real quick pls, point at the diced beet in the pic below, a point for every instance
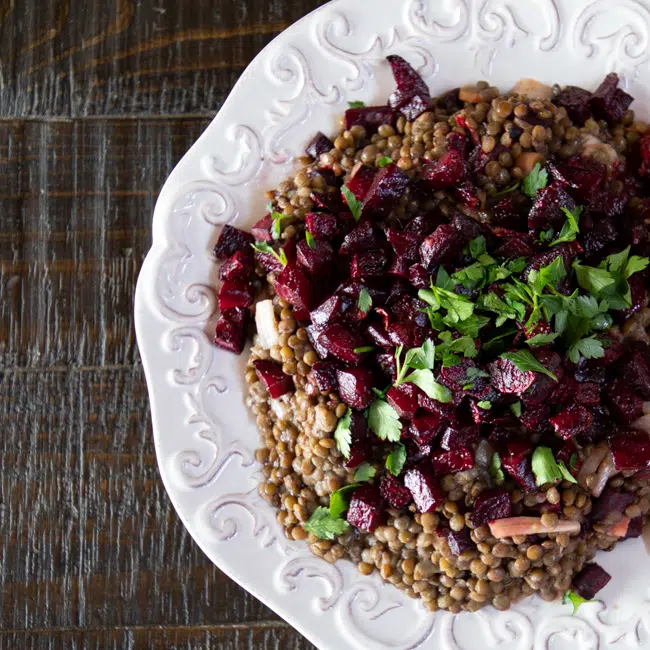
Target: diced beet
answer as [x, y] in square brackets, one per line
[377, 334]
[456, 376]
[419, 277]
[427, 494]
[609, 102]
[398, 288]
[622, 402]
[235, 293]
[332, 309]
[410, 309]
[394, 492]
[460, 541]
[547, 209]
[514, 245]
[404, 399]
[566, 251]
[450, 462]
[412, 97]
[317, 260]
[239, 266]
[293, 285]
[405, 244]
[426, 428]
[507, 378]
[535, 419]
[630, 449]
[341, 341]
[386, 363]
[446, 410]
[355, 387]
[408, 334]
[587, 394]
[636, 373]
[399, 267]
[516, 461]
[361, 181]
[388, 186]
[271, 375]
[370, 117]
[638, 294]
[319, 145]
[230, 240]
[449, 170]
[571, 422]
[331, 202]
[590, 581]
[466, 193]
[588, 370]
[313, 334]
[324, 373]
[580, 177]
[423, 225]
[490, 505]
[269, 262]
[262, 229]
[365, 511]
[635, 528]
[361, 238]
[442, 246]
[456, 437]
[508, 213]
[368, 264]
[231, 329]
[576, 102]
[361, 445]
[610, 501]
[322, 225]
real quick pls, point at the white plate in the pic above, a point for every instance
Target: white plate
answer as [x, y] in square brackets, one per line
[205, 439]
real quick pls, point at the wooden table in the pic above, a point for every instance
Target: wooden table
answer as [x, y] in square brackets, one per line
[98, 101]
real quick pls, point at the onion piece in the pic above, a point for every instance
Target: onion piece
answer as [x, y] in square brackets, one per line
[643, 422]
[646, 408]
[591, 463]
[619, 529]
[606, 470]
[513, 526]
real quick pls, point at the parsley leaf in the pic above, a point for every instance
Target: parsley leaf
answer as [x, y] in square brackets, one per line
[484, 404]
[575, 599]
[547, 276]
[365, 301]
[472, 374]
[311, 242]
[424, 379]
[365, 472]
[470, 326]
[343, 434]
[385, 160]
[396, 459]
[570, 229]
[524, 360]
[494, 468]
[324, 526]
[492, 302]
[478, 247]
[443, 281]
[516, 409]
[384, 421]
[471, 276]
[263, 247]
[591, 279]
[340, 499]
[546, 469]
[353, 203]
[589, 347]
[541, 339]
[573, 461]
[422, 358]
[536, 180]
[356, 104]
[546, 235]
[276, 226]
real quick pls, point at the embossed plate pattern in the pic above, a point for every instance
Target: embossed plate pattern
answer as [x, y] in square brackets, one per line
[205, 439]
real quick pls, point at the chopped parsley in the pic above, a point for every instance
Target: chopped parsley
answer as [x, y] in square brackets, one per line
[536, 180]
[524, 360]
[311, 242]
[363, 349]
[547, 470]
[365, 472]
[365, 301]
[343, 434]
[495, 470]
[515, 409]
[340, 500]
[384, 160]
[353, 203]
[325, 526]
[484, 404]
[383, 420]
[570, 228]
[265, 248]
[396, 459]
[575, 599]
[356, 104]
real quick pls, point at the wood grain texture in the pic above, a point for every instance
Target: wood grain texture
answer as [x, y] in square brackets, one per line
[99, 99]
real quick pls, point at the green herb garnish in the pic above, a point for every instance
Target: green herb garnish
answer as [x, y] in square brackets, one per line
[365, 472]
[263, 247]
[383, 420]
[340, 499]
[495, 470]
[396, 459]
[571, 597]
[539, 340]
[311, 242]
[547, 470]
[536, 180]
[356, 104]
[484, 404]
[353, 203]
[365, 301]
[384, 160]
[524, 360]
[516, 409]
[570, 229]
[324, 526]
[363, 349]
[343, 434]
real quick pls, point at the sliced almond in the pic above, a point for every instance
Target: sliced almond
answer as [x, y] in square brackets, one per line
[532, 89]
[513, 526]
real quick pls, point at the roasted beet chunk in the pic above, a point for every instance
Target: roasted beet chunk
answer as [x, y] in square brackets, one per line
[449, 170]
[355, 387]
[361, 181]
[365, 511]
[450, 462]
[547, 209]
[231, 329]
[460, 541]
[490, 505]
[324, 374]
[317, 260]
[405, 244]
[516, 461]
[262, 229]
[630, 449]
[455, 437]
[636, 373]
[231, 240]
[611, 501]
[509, 213]
[635, 528]
[507, 378]
[386, 190]
[623, 404]
[294, 286]
[442, 246]
[427, 494]
[341, 342]
[368, 264]
[322, 225]
[332, 309]
[426, 428]
[362, 238]
[235, 293]
[369, 117]
[609, 102]
[579, 176]
[394, 492]
[271, 375]
[404, 399]
[412, 97]
[239, 266]
[590, 581]
[571, 422]
[576, 101]
[361, 448]
[320, 144]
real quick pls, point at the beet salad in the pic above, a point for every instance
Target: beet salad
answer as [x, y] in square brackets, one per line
[450, 363]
